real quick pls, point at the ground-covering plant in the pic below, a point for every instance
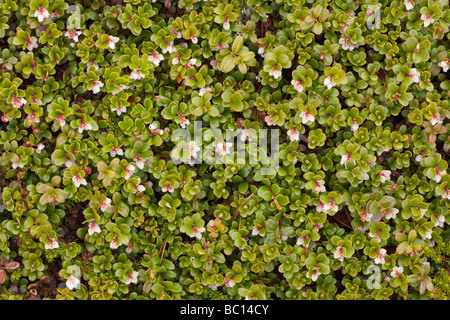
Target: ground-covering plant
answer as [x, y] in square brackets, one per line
[95, 97]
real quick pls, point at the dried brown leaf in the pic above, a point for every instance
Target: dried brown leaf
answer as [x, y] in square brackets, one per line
[2, 276]
[12, 265]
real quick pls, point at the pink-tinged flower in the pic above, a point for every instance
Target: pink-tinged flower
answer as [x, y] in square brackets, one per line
[105, 204]
[60, 120]
[275, 73]
[93, 228]
[115, 244]
[365, 216]
[245, 134]
[440, 220]
[91, 64]
[446, 194]
[444, 65]
[439, 174]
[132, 278]
[129, 171]
[306, 117]
[408, 4]
[119, 110]
[328, 82]
[215, 64]
[293, 135]
[269, 120]
[257, 231]
[193, 148]
[202, 91]
[39, 148]
[184, 121]
[31, 43]
[315, 275]
[414, 75]
[355, 126]
[226, 25]
[320, 186]
[375, 236]
[436, 119]
[116, 152]
[385, 176]
[69, 162]
[427, 234]
[379, 259]
[170, 48]
[346, 45]
[84, 126]
[197, 233]
[16, 165]
[300, 241]
[396, 272]
[96, 85]
[345, 158]
[194, 39]
[338, 255]
[52, 245]
[392, 214]
[78, 181]
[140, 163]
[18, 102]
[112, 42]
[297, 85]
[224, 148]
[136, 75]
[138, 188]
[168, 188]
[427, 19]
[41, 14]
[72, 283]
[73, 34]
[262, 51]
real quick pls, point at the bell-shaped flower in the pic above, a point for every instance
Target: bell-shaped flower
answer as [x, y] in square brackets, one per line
[93, 228]
[41, 14]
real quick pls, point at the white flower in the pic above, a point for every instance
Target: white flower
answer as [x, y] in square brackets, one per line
[156, 58]
[114, 245]
[269, 120]
[306, 117]
[224, 148]
[414, 75]
[193, 148]
[132, 278]
[338, 254]
[256, 231]
[215, 64]
[427, 20]
[297, 85]
[112, 42]
[116, 151]
[245, 134]
[226, 25]
[320, 186]
[419, 158]
[198, 232]
[69, 163]
[129, 171]
[275, 73]
[392, 214]
[175, 61]
[93, 228]
[96, 86]
[379, 259]
[119, 110]
[408, 4]
[105, 204]
[18, 102]
[16, 165]
[446, 194]
[73, 34]
[396, 271]
[84, 126]
[262, 51]
[300, 241]
[170, 48]
[41, 14]
[385, 175]
[213, 286]
[61, 120]
[168, 188]
[194, 39]
[136, 75]
[427, 234]
[354, 127]
[91, 64]
[345, 158]
[52, 245]
[328, 82]
[314, 276]
[365, 216]
[192, 62]
[202, 91]
[39, 148]
[140, 163]
[77, 181]
[440, 220]
[31, 43]
[439, 175]
[72, 283]
[436, 119]
[444, 65]
[293, 135]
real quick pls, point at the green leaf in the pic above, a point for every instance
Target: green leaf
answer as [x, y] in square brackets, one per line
[228, 63]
